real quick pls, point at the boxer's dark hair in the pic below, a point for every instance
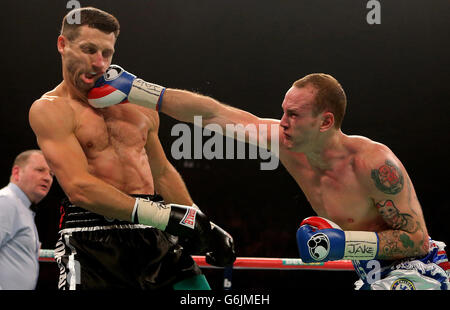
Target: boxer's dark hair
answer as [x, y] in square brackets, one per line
[330, 95]
[92, 17]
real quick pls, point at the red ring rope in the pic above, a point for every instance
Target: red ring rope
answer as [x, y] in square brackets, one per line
[252, 263]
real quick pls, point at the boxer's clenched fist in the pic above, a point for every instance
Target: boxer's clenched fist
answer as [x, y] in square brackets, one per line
[119, 86]
[190, 224]
[321, 240]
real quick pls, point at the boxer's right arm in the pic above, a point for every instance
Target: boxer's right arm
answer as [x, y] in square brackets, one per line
[404, 233]
[54, 126]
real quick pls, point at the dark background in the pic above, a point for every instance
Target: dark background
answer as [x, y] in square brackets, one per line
[247, 54]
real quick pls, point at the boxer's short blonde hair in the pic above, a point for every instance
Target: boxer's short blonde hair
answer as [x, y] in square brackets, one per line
[330, 95]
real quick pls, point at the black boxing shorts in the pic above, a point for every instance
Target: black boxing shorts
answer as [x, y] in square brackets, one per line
[95, 252]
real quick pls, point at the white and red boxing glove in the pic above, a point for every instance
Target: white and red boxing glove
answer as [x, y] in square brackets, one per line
[119, 86]
[191, 225]
[321, 240]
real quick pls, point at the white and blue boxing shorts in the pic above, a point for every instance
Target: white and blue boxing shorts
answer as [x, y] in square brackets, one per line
[427, 273]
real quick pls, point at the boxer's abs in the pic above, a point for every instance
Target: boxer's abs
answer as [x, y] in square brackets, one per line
[130, 174]
[113, 141]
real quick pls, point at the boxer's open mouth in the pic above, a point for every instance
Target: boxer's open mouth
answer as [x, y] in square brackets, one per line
[89, 77]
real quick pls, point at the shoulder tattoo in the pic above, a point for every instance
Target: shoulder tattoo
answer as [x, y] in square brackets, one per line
[388, 178]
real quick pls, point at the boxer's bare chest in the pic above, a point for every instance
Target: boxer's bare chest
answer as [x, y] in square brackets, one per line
[119, 129]
[337, 194]
[114, 141]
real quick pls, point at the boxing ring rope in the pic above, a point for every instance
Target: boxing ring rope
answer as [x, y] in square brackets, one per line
[252, 263]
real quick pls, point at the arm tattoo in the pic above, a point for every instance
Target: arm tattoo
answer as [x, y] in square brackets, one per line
[388, 178]
[397, 243]
[395, 219]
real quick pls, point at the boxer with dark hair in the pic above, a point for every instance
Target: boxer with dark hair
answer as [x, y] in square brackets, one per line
[125, 201]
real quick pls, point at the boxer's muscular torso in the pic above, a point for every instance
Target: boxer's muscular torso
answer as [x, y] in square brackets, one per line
[113, 141]
[340, 193]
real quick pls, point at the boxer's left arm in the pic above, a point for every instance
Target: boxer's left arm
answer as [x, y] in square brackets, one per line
[394, 197]
[168, 182]
[390, 188]
[119, 86]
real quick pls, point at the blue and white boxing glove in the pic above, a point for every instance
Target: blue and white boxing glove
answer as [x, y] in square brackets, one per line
[119, 86]
[321, 240]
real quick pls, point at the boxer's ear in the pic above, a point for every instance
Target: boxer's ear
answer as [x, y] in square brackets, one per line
[61, 44]
[327, 120]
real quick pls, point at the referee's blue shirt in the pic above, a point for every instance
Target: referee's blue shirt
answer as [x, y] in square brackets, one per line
[19, 241]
